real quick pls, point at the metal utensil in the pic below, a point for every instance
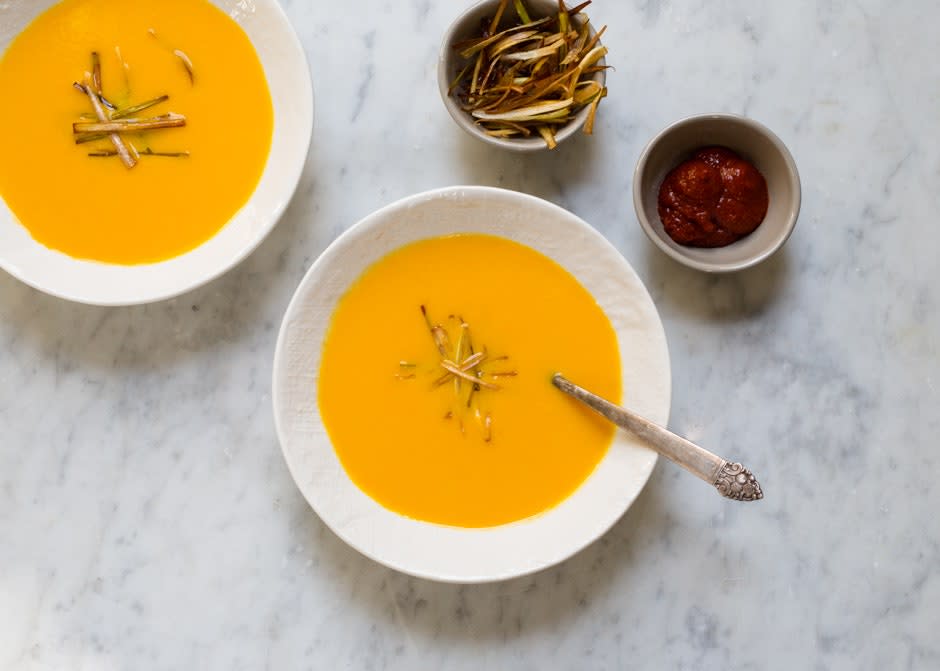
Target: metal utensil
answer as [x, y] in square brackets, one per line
[731, 479]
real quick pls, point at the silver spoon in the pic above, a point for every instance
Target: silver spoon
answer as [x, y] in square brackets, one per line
[731, 479]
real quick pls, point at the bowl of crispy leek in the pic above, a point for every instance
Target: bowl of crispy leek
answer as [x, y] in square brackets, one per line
[523, 74]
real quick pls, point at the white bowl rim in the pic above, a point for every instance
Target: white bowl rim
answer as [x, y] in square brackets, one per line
[377, 220]
[678, 255]
[290, 169]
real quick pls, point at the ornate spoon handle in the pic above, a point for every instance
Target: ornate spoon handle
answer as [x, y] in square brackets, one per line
[731, 480]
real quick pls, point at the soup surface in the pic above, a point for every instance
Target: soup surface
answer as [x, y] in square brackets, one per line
[94, 207]
[498, 446]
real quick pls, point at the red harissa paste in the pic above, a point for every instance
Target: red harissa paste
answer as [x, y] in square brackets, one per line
[713, 199]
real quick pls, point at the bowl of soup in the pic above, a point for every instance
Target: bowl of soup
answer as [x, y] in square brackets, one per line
[157, 143]
[412, 384]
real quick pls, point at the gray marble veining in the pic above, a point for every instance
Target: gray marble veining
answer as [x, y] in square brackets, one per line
[147, 520]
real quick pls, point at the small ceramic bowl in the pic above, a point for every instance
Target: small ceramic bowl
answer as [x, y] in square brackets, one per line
[753, 142]
[467, 26]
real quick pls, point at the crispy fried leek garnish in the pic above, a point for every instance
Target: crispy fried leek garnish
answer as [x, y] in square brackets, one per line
[146, 151]
[130, 125]
[463, 365]
[534, 75]
[88, 88]
[96, 72]
[187, 64]
[108, 122]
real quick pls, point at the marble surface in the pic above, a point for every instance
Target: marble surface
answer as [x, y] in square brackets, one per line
[148, 521]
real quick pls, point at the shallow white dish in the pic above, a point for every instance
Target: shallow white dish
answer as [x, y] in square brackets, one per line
[447, 553]
[288, 75]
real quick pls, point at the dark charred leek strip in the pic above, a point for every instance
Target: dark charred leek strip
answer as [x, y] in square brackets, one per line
[147, 152]
[170, 154]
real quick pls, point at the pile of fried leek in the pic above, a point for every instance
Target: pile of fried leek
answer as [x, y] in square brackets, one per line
[524, 76]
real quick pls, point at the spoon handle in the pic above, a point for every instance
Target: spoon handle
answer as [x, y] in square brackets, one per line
[731, 480]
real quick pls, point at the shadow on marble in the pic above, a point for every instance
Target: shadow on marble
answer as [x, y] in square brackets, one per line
[161, 334]
[550, 175]
[460, 614]
[724, 297]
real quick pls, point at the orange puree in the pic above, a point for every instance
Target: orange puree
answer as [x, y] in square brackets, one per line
[399, 437]
[95, 208]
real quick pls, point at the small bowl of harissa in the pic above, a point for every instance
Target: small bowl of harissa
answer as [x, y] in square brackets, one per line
[523, 75]
[717, 192]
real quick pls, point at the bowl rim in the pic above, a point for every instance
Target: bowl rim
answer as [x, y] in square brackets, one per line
[629, 450]
[147, 288]
[704, 266]
[461, 118]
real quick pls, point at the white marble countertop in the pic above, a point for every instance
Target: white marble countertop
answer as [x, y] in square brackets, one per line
[148, 521]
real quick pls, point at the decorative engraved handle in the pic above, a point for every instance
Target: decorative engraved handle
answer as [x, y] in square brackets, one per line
[731, 480]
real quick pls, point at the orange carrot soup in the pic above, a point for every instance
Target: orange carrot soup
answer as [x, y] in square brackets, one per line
[435, 381]
[134, 130]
